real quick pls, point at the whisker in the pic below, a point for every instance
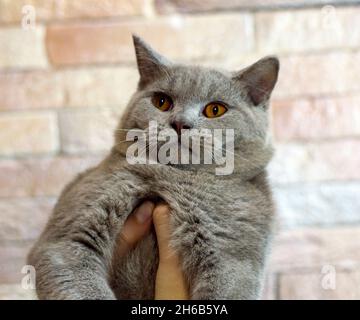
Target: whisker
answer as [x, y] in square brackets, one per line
[122, 141]
[236, 155]
[124, 129]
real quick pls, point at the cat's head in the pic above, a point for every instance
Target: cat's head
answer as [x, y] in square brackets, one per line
[179, 96]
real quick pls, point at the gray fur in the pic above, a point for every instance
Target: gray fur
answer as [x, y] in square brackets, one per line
[221, 224]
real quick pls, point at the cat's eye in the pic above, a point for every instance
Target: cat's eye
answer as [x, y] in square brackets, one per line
[162, 101]
[214, 110]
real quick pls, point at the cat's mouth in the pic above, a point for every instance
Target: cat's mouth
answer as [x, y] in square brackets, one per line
[164, 145]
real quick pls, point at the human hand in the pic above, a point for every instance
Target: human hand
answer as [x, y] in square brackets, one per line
[170, 282]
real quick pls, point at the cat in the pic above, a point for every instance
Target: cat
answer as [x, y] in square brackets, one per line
[221, 224]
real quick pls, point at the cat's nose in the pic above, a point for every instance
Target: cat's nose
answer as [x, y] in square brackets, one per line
[180, 125]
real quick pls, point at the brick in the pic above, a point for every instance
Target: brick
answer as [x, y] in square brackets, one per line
[96, 9]
[305, 76]
[24, 218]
[87, 131]
[308, 249]
[41, 176]
[80, 87]
[11, 10]
[311, 162]
[30, 89]
[309, 286]
[318, 75]
[16, 292]
[308, 30]
[20, 48]
[233, 62]
[100, 87]
[24, 133]
[320, 204]
[177, 37]
[12, 260]
[171, 6]
[322, 118]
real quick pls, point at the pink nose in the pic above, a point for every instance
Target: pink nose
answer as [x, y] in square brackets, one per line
[179, 125]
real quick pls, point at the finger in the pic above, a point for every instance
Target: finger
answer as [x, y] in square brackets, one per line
[135, 227]
[161, 220]
[170, 282]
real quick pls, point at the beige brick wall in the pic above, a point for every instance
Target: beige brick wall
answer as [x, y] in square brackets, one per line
[64, 84]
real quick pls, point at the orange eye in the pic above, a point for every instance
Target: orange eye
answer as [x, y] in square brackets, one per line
[162, 101]
[214, 110]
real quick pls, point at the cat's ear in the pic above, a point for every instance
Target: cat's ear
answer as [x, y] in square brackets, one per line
[259, 79]
[151, 64]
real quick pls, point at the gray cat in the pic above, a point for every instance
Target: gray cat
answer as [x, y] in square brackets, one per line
[221, 224]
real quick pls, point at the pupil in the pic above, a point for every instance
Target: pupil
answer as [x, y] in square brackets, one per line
[215, 110]
[162, 101]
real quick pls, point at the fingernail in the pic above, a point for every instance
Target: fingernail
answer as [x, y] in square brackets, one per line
[144, 212]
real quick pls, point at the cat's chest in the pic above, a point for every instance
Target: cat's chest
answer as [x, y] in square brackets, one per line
[197, 189]
[188, 192]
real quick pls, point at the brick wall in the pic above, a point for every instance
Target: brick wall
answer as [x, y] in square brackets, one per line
[64, 83]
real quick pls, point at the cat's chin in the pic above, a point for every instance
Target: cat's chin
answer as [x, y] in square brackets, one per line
[245, 164]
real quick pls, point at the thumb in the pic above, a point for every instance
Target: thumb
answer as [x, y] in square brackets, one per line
[137, 225]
